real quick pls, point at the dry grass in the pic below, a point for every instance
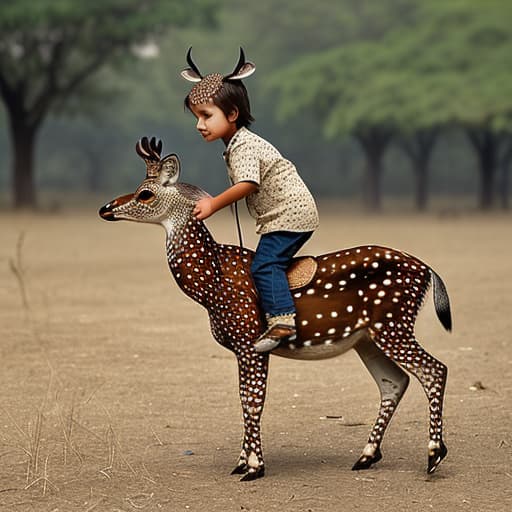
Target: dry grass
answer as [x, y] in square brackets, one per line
[110, 379]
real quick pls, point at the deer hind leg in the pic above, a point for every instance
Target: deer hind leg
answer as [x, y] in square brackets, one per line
[252, 372]
[392, 382]
[432, 375]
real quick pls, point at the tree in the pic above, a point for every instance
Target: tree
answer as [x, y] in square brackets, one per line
[50, 52]
[471, 42]
[449, 66]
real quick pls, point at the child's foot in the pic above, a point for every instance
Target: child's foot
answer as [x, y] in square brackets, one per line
[280, 328]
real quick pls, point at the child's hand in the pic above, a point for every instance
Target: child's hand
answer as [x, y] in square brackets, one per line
[204, 208]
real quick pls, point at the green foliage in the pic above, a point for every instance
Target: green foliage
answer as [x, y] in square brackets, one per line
[330, 66]
[450, 65]
[50, 48]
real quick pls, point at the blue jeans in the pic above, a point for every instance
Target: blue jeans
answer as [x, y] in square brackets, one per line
[273, 256]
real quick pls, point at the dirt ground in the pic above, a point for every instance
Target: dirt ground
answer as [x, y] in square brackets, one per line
[116, 398]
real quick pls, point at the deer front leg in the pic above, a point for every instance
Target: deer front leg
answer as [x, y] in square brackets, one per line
[252, 372]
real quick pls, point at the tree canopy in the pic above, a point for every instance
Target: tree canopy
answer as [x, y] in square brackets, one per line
[448, 67]
[50, 49]
[353, 74]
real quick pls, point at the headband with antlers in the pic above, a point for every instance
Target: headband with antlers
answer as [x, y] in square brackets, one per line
[208, 86]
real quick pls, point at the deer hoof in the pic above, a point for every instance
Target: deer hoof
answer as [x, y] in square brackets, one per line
[436, 456]
[253, 474]
[366, 461]
[240, 469]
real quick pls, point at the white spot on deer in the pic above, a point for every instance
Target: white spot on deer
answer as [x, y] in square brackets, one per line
[253, 460]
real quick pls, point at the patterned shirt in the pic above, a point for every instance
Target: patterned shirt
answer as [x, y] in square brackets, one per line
[282, 201]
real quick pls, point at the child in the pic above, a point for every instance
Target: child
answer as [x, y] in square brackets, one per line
[276, 196]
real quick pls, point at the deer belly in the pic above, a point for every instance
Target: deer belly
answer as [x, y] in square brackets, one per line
[319, 349]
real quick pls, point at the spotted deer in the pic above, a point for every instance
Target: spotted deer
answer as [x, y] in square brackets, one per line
[363, 298]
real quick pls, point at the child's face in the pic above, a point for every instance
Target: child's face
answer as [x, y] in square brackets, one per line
[212, 123]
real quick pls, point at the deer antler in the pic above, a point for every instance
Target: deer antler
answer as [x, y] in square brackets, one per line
[243, 69]
[150, 151]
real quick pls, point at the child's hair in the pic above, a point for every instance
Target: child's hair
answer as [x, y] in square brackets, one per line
[232, 96]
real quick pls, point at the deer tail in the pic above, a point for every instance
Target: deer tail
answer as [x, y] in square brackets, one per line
[441, 301]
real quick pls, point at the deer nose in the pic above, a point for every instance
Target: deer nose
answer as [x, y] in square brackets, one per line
[106, 212]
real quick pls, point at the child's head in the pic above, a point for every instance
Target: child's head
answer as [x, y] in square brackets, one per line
[231, 96]
[226, 92]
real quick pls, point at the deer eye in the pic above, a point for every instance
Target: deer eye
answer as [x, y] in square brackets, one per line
[146, 196]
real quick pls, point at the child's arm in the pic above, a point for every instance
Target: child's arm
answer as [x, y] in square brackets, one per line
[209, 205]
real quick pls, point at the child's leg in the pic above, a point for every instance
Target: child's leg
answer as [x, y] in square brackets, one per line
[272, 258]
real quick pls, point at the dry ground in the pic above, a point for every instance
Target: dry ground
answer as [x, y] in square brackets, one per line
[115, 397]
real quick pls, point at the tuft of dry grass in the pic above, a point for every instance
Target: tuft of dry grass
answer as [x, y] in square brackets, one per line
[54, 427]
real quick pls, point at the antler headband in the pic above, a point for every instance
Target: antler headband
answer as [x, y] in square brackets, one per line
[208, 86]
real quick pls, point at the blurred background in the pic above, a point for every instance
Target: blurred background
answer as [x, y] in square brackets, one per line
[383, 104]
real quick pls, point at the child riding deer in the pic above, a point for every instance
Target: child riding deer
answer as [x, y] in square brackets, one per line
[276, 196]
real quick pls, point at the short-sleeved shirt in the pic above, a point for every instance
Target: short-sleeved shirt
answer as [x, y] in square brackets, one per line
[282, 201]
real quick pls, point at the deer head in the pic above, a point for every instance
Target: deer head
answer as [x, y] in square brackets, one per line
[159, 199]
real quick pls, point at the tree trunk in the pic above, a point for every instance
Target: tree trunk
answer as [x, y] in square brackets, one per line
[506, 160]
[373, 181]
[374, 142]
[23, 139]
[421, 193]
[486, 143]
[94, 170]
[419, 149]
[487, 166]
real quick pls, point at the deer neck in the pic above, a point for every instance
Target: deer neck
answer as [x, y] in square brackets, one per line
[192, 254]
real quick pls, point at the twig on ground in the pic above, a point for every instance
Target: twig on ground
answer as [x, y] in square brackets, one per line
[94, 505]
[67, 431]
[113, 441]
[18, 269]
[159, 441]
[46, 481]
[148, 477]
[143, 495]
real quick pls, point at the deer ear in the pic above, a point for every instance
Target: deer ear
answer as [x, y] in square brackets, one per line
[190, 75]
[169, 170]
[246, 70]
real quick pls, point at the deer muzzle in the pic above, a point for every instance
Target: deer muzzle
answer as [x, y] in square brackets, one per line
[107, 212]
